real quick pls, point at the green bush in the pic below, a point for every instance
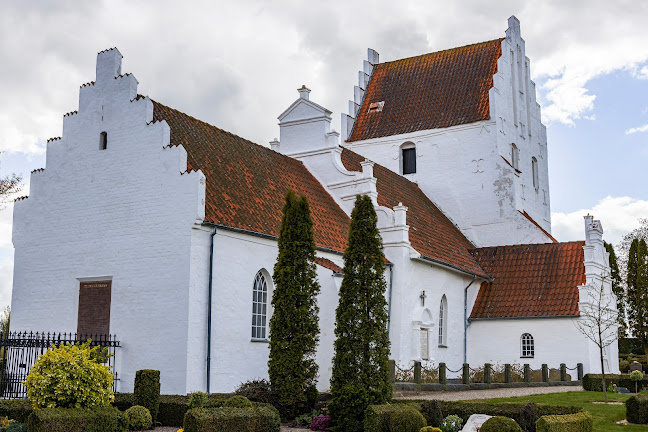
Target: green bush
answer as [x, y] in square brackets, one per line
[123, 401]
[529, 417]
[172, 410]
[76, 420]
[16, 409]
[147, 391]
[637, 409]
[432, 412]
[592, 382]
[70, 376]
[259, 419]
[452, 423]
[350, 404]
[138, 418]
[257, 391]
[14, 426]
[197, 399]
[581, 422]
[393, 418]
[630, 346]
[238, 402]
[430, 429]
[500, 424]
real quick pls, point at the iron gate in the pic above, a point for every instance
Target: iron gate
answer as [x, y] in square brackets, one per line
[20, 350]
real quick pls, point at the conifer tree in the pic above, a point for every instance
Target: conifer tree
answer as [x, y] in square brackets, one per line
[294, 327]
[637, 294]
[361, 362]
[617, 289]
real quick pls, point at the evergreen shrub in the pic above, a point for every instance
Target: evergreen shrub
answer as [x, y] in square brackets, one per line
[258, 419]
[16, 409]
[630, 346]
[238, 402]
[637, 409]
[500, 424]
[197, 399]
[14, 426]
[430, 429]
[580, 422]
[70, 376]
[432, 412]
[171, 411]
[258, 390]
[138, 418]
[528, 417]
[106, 419]
[393, 418]
[592, 382]
[146, 392]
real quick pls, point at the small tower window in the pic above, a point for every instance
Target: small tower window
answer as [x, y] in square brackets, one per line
[534, 170]
[528, 347]
[408, 158]
[515, 156]
[103, 141]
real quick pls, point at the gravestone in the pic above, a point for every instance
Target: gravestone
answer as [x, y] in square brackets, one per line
[475, 421]
[635, 365]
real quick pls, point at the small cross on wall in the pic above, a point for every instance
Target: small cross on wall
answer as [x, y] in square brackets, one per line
[423, 298]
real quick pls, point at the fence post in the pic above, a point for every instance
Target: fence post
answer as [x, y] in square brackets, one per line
[392, 371]
[487, 373]
[527, 373]
[545, 373]
[580, 371]
[507, 373]
[417, 372]
[466, 373]
[442, 374]
[563, 372]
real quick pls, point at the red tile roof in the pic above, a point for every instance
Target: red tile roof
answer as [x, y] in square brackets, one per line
[534, 280]
[327, 263]
[437, 90]
[431, 233]
[247, 183]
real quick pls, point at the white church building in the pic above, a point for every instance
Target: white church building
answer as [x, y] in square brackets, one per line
[161, 229]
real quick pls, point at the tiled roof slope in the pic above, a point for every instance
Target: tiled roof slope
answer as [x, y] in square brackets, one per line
[328, 264]
[247, 183]
[532, 280]
[431, 233]
[437, 90]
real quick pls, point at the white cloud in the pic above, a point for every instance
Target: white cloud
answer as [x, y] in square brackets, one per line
[643, 128]
[618, 215]
[642, 73]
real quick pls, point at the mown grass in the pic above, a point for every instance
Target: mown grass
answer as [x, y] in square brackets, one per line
[604, 415]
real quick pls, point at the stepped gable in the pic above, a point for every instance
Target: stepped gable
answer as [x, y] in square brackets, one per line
[431, 233]
[437, 90]
[247, 183]
[533, 280]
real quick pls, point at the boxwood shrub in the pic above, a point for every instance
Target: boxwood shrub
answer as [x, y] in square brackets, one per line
[637, 409]
[258, 419]
[16, 409]
[147, 391]
[393, 418]
[500, 424]
[76, 420]
[580, 422]
[592, 382]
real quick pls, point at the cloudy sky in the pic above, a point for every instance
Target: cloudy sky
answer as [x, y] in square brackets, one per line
[237, 64]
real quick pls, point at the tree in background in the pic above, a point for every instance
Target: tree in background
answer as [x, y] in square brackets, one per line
[618, 290]
[361, 362]
[637, 290]
[5, 319]
[294, 327]
[623, 248]
[9, 185]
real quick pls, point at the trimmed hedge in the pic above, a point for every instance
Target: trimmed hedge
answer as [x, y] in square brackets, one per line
[592, 382]
[76, 420]
[393, 418]
[260, 419]
[500, 424]
[16, 409]
[581, 422]
[147, 391]
[637, 409]
[172, 410]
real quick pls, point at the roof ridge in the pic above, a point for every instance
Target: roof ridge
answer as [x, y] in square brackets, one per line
[530, 244]
[442, 51]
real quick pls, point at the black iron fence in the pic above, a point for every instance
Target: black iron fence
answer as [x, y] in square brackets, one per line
[20, 350]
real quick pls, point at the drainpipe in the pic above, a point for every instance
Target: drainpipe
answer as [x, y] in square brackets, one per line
[209, 307]
[391, 277]
[466, 324]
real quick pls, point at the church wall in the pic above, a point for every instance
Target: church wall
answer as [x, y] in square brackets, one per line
[123, 214]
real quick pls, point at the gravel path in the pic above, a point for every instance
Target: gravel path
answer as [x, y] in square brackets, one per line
[485, 394]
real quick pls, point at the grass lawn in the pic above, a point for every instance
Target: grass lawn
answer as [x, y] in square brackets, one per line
[604, 415]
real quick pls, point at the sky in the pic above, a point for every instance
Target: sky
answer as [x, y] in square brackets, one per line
[237, 65]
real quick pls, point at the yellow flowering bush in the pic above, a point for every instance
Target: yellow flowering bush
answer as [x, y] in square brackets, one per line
[70, 376]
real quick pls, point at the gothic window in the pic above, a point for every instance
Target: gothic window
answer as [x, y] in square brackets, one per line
[408, 158]
[515, 156]
[528, 348]
[103, 141]
[443, 322]
[534, 169]
[259, 307]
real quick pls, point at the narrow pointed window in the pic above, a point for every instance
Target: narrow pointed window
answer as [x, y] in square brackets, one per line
[534, 169]
[443, 322]
[259, 307]
[103, 141]
[515, 156]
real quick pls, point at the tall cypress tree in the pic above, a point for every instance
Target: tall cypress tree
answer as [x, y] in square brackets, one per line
[361, 363]
[617, 289]
[294, 327]
[637, 285]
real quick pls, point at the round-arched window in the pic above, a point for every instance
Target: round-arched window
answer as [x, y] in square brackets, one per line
[528, 348]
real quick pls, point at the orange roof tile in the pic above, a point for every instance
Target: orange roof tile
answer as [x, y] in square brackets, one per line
[437, 90]
[534, 280]
[431, 233]
[247, 183]
[327, 263]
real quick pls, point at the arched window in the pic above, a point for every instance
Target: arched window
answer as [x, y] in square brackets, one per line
[103, 141]
[443, 322]
[259, 307]
[515, 156]
[534, 170]
[408, 158]
[528, 347]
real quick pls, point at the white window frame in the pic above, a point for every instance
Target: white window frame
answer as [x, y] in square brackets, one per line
[527, 346]
[443, 322]
[260, 309]
[407, 146]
